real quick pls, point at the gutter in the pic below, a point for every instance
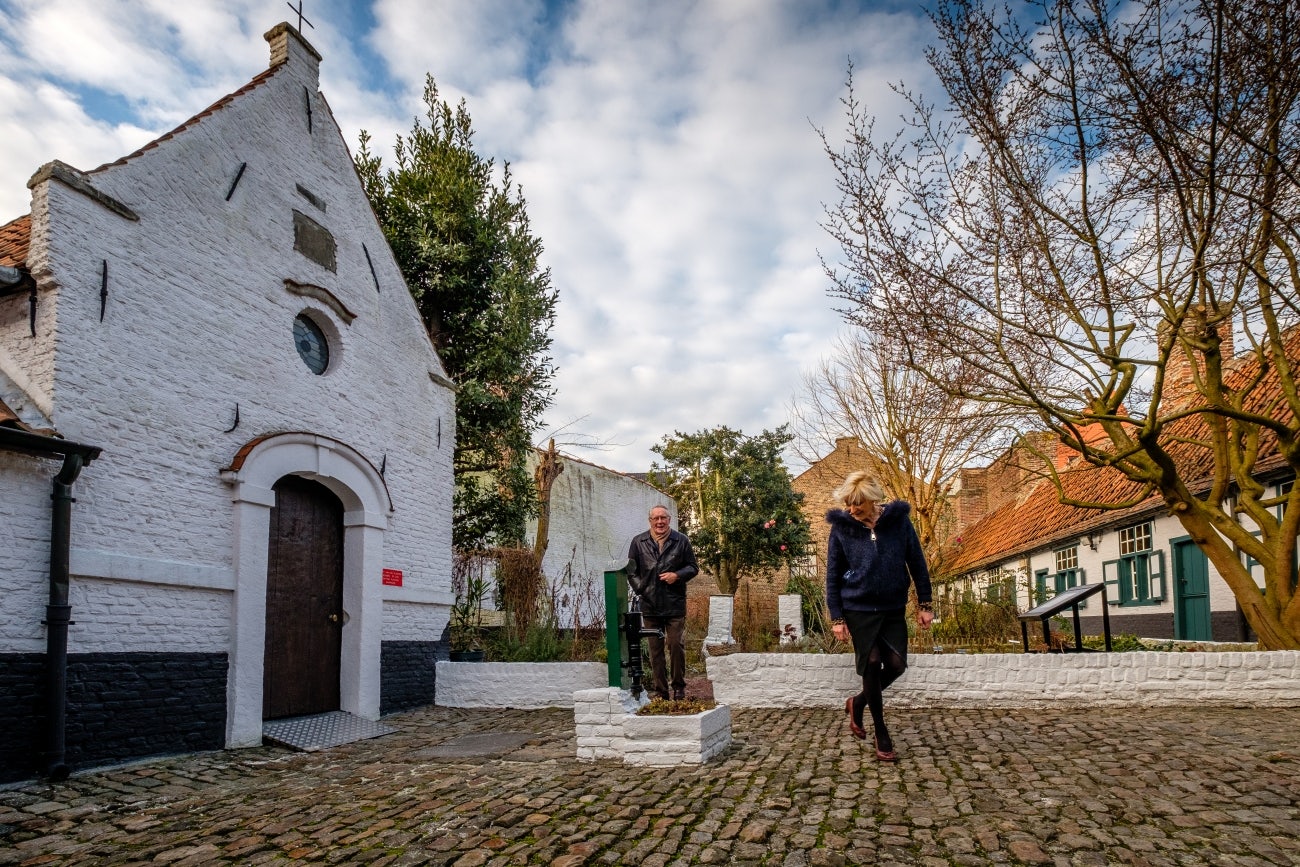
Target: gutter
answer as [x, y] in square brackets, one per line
[58, 613]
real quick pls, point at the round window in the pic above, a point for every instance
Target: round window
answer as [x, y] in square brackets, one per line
[313, 348]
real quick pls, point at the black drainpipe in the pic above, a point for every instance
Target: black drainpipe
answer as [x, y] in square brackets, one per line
[58, 616]
[58, 613]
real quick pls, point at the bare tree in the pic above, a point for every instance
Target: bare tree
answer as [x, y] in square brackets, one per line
[1101, 207]
[919, 434]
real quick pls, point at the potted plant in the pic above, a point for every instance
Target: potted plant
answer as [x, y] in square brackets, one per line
[466, 627]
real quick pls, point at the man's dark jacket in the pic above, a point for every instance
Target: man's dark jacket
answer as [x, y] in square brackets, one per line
[658, 598]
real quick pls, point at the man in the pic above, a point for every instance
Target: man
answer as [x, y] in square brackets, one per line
[662, 563]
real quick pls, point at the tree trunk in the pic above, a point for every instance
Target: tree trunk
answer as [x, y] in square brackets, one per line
[547, 469]
[726, 576]
[1266, 622]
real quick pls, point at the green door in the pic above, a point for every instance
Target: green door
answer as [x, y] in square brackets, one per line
[1191, 591]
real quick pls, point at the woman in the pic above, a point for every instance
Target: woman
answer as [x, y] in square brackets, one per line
[873, 555]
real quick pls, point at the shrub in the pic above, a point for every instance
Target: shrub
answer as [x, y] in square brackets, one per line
[975, 624]
[1122, 643]
[532, 630]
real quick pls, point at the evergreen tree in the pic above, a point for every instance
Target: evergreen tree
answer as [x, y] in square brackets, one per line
[463, 240]
[734, 499]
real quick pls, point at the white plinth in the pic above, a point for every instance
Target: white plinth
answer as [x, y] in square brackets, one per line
[721, 609]
[789, 613]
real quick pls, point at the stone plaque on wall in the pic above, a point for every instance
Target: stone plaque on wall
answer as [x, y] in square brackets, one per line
[314, 241]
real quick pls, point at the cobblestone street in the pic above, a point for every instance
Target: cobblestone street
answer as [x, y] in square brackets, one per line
[1184, 786]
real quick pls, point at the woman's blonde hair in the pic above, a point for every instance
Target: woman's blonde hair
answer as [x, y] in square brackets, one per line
[859, 487]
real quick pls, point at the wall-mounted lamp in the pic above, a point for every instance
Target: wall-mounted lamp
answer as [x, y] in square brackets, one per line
[1093, 539]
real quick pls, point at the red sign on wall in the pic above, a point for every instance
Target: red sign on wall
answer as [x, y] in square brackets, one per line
[393, 577]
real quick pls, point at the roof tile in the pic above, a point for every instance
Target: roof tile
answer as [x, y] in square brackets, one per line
[15, 236]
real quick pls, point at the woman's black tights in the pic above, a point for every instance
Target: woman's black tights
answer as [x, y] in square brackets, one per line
[884, 666]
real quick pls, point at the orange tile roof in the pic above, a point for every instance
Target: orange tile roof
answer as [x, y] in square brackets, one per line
[1040, 520]
[15, 236]
[10, 419]
[212, 109]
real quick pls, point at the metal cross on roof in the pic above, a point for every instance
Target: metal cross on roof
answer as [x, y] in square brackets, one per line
[301, 19]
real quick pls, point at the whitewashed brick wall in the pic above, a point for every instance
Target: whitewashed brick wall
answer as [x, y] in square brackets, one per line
[663, 741]
[595, 512]
[606, 727]
[25, 484]
[1261, 679]
[516, 684]
[198, 320]
[598, 716]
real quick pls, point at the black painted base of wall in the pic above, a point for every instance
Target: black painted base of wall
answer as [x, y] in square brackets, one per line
[22, 715]
[408, 675]
[120, 707]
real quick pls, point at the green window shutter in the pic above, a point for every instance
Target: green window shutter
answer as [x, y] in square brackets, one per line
[1080, 578]
[1040, 587]
[1137, 569]
[1156, 575]
[1110, 575]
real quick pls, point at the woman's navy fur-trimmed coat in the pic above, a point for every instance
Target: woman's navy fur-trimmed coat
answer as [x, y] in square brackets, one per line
[863, 574]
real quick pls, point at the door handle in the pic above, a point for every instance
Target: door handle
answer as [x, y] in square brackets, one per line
[334, 618]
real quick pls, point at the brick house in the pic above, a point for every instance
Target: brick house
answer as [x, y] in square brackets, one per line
[262, 518]
[816, 484]
[1160, 584]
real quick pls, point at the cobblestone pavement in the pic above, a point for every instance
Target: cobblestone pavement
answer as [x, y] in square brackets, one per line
[1182, 786]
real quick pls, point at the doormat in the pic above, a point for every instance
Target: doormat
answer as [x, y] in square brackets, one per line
[322, 731]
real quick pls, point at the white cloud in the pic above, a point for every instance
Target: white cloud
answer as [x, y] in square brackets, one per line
[667, 152]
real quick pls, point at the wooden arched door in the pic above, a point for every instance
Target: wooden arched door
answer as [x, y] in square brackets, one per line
[304, 601]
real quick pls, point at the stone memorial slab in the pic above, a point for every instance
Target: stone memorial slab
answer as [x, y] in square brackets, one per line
[789, 613]
[721, 609]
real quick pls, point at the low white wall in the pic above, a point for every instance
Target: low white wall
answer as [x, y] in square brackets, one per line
[525, 685]
[1259, 679]
[598, 716]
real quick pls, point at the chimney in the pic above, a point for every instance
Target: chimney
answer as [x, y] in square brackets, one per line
[971, 504]
[1182, 362]
[288, 46]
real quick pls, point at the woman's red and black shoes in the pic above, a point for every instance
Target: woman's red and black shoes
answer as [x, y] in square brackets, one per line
[883, 755]
[854, 729]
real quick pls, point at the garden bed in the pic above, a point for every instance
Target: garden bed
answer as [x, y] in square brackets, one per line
[608, 727]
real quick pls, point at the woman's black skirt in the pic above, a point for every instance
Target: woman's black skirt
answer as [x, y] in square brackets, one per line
[866, 628]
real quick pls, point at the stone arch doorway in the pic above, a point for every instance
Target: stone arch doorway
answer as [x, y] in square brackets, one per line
[253, 474]
[304, 601]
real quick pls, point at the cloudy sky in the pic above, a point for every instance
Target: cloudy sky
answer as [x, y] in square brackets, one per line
[667, 149]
